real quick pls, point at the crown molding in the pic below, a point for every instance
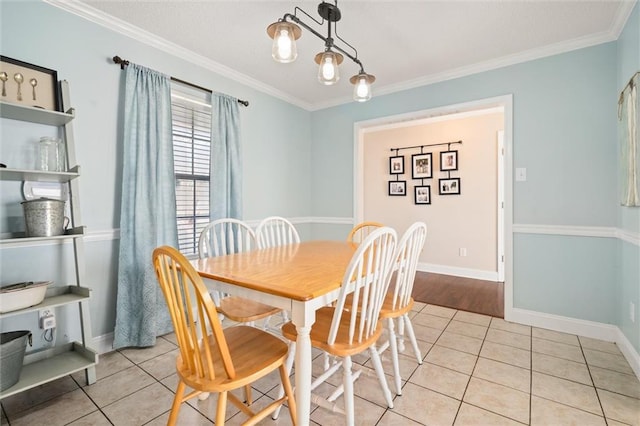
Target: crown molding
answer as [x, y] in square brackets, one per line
[94, 15]
[98, 17]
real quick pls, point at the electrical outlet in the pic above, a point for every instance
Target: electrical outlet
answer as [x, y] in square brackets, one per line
[632, 312]
[47, 319]
[463, 252]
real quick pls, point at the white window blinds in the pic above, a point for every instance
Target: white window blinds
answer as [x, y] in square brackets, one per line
[191, 123]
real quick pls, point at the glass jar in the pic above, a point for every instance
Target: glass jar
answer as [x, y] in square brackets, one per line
[51, 154]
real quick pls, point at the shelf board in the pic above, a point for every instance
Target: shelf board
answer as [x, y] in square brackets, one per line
[44, 366]
[38, 175]
[19, 237]
[35, 115]
[55, 296]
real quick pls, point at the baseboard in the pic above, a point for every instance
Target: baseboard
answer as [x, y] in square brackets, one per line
[591, 329]
[627, 349]
[458, 272]
[103, 344]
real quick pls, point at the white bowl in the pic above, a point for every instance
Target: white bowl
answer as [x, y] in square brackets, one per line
[22, 295]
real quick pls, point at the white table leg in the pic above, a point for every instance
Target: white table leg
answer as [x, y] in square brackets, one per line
[303, 319]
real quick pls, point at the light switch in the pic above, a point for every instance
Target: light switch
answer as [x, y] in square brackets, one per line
[521, 174]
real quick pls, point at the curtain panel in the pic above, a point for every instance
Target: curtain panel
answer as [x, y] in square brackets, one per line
[628, 110]
[148, 211]
[226, 166]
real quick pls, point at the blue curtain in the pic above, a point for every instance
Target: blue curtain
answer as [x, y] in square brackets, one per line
[148, 212]
[225, 190]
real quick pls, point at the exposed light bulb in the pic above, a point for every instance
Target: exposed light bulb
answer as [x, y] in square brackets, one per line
[284, 44]
[328, 69]
[283, 49]
[328, 72]
[362, 86]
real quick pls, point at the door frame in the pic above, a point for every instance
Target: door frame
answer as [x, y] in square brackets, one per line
[504, 175]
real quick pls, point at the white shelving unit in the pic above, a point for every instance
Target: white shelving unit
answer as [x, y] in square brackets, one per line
[52, 363]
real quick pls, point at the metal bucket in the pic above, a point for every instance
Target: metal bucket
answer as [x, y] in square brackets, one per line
[44, 217]
[12, 347]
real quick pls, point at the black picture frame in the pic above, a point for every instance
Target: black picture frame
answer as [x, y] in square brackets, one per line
[396, 165]
[397, 188]
[449, 186]
[448, 160]
[39, 87]
[422, 194]
[421, 166]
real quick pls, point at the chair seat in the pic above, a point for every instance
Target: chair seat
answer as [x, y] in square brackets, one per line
[254, 353]
[320, 333]
[239, 309]
[387, 310]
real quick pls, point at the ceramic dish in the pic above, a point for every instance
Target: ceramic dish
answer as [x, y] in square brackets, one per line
[22, 295]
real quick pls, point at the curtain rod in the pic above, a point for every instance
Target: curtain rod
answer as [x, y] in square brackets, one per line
[123, 63]
[422, 146]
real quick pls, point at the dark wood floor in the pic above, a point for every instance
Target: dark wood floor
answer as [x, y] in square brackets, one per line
[466, 294]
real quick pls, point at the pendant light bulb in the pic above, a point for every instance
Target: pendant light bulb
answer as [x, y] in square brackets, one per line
[362, 86]
[328, 71]
[284, 36]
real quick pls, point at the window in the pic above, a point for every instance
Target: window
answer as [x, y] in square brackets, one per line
[191, 128]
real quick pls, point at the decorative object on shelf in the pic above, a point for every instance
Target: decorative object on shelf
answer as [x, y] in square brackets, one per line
[44, 217]
[422, 194]
[51, 154]
[448, 160]
[398, 187]
[43, 81]
[286, 31]
[396, 165]
[22, 295]
[421, 166]
[449, 186]
[13, 345]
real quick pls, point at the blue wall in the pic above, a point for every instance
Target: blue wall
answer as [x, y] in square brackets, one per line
[564, 134]
[276, 139]
[628, 268]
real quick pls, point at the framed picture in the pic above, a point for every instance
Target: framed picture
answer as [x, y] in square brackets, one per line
[396, 165]
[397, 187]
[448, 160]
[28, 84]
[422, 194]
[421, 166]
[449, 186]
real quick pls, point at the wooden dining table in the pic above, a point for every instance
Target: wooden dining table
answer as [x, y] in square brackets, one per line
[300, 278]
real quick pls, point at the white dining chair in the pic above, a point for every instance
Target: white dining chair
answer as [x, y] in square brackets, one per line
[228, 236]
[398, 301]
[344, 331]
[276, 231]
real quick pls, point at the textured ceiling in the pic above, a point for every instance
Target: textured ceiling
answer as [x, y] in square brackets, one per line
[403, 43]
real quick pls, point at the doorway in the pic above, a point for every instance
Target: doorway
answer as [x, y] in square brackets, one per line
[501, 242]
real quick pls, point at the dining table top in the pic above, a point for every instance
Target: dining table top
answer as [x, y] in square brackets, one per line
[299, 271]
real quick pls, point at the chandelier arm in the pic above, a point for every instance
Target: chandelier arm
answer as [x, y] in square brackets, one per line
[321, 37]
[335, 30]
[310, 17]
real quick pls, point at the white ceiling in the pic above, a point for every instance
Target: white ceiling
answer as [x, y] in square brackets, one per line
[403, 43]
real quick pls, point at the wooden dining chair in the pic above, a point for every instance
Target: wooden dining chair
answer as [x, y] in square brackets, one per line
[362, 230]
[344, 331]
[276, 231]
[228, 236]
[213, 359]
[398, 301]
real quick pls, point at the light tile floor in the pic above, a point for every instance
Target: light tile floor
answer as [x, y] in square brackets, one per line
[477, 370]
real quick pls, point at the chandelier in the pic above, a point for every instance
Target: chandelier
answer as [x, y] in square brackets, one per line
[287, 30]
